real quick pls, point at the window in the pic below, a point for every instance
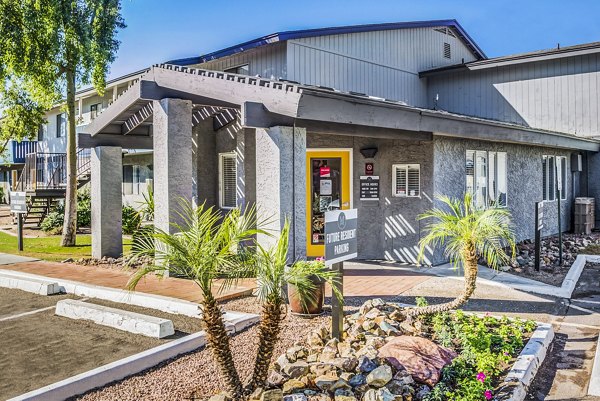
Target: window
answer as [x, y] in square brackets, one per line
[406, 180]
[554, 177]
[486, 177]
[95, 110]
[42, 132]
[134, 178]
[61, 125]
[227, 181]
[243, 69]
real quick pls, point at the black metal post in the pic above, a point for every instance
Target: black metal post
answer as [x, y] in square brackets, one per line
[20, 230]
[337, 306]
[537, 237]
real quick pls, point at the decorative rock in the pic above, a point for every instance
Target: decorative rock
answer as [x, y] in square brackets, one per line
[380, 376]
[422, 358]
[272, 395]
[295, 397]
[293, 385]
[357, 380]
[220, 397]
[275, 379]
[325, 382]
[296, 369]
[365, 364]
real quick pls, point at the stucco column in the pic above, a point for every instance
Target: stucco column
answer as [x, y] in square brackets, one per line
[281, 183]
[172, 133]
[107, 201]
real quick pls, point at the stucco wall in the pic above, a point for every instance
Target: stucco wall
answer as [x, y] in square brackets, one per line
[524, 170]
[388, 228]
[594, 182]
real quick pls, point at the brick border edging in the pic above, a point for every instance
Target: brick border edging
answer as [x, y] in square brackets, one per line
[130, 365]
[524, 370]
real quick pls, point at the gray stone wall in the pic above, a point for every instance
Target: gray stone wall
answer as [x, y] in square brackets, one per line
[388, 228]
[524, 169]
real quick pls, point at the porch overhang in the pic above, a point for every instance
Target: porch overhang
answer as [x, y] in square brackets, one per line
[262, 103]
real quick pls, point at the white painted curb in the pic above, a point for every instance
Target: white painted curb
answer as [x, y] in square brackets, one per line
[522, 373]
[123, 368]
[131, 322]
[165, 304]
[40, 285]
[594, 387]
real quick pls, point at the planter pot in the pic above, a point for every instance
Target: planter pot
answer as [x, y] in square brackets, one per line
[313, 306]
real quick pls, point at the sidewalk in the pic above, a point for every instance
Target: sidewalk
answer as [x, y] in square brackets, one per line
[168, 287]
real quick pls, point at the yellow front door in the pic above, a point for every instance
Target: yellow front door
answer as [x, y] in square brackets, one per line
[328, 178]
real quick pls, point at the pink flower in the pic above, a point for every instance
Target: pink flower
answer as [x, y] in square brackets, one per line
[320, 259]
[488, 394]
[481, 376]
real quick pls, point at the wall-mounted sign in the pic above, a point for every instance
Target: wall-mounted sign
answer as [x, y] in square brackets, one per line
[369, 168]
[369, 187]
[324, 171]
[340, 235]
[18, 202]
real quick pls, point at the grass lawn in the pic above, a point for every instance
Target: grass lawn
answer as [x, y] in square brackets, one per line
[48, 248]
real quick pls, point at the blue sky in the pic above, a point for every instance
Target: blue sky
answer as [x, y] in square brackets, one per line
[161, 30]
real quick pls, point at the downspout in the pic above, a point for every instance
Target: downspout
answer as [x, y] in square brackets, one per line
[294, 190]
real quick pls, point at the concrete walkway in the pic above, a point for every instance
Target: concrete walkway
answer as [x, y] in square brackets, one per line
[114, 278]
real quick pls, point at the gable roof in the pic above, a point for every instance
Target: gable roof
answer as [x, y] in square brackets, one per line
[307, 33]
[521, 58]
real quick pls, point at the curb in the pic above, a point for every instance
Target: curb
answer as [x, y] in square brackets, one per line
[129, 366]
[159, 302]
[528, 362]
[594, 386]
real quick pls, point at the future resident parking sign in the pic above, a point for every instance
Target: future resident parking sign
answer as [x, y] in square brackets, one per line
[340, 235]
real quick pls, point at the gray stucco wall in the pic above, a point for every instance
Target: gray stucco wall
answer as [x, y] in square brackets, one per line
[388, 228]
[524, 169]
[594, 182]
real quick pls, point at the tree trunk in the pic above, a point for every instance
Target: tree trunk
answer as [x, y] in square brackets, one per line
[218, 341]
[70, 220]
[268, 333]
[470, 271]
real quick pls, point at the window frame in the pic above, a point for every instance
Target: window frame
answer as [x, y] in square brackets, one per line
[550, 187]
[61, 121]
[407, 167]
[491, 183]
[95, 112]
[222, 157]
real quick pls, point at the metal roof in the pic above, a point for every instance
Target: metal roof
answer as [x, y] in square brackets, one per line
[307, 33]
[529, 57]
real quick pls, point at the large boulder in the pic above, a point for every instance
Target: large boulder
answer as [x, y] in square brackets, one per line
[421, 358]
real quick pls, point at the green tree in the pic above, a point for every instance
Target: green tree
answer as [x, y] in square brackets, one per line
[466, 233]
[47, 49]
[209, 246]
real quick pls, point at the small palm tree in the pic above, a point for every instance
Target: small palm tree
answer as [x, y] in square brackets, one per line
[272, 273]
[206, 247]
[467, 233]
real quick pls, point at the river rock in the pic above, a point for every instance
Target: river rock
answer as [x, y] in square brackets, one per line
[380, 376]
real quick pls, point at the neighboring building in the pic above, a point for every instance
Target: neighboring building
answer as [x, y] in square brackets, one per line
[292, 121]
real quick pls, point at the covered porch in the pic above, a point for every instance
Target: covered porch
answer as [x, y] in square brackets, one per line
[231, 140]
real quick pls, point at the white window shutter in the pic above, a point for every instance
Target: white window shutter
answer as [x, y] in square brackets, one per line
[228, 181]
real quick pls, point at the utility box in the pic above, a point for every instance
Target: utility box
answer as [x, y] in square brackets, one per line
[585, 215]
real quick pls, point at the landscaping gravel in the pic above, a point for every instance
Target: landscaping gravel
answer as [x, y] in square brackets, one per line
[195, 376]
[551, 271]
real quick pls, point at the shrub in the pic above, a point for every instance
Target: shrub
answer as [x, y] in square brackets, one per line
[143, 239]
[485, 345]
[2, 195]
[84, 208]
[131, 220]
[53, 222]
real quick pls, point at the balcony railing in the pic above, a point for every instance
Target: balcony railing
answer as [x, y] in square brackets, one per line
[49, 170]
[21, 149]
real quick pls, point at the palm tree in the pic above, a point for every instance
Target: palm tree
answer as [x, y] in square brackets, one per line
[467, 233]
[206, 247]
[272, 273]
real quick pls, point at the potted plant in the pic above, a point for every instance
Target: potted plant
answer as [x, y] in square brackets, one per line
[309, 301]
